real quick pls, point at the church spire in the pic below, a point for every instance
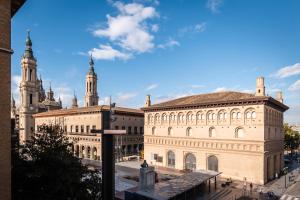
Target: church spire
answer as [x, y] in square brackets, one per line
[74, 101]
[91, 69]
[28, 50]
[13, 102]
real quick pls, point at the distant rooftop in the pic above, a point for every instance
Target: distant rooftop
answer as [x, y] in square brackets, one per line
[91, 109]
[214, 98]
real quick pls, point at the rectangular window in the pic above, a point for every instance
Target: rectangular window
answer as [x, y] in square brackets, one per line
[87, 129]
[81, 128]
[129, 129]
[71, 128]
[94, 127]
[154, 156]
[65, 129]
[30, 74]
[76, 129]
[141, 130]
[135, 130]
[116, 127]
[30, 99]
[123, 127]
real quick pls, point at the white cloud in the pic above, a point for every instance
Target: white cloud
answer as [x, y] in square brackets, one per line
[197, 28]
[15, 84]
[152, 86]
[200, 27]
[129, 29]
[154, 28]
[126, 96]
[106, 52]
[104, 101]
[295, 86]
[288, 71]
[220, 89]
[292, 115]
[169, 44]
[65, 93]
[214, 5]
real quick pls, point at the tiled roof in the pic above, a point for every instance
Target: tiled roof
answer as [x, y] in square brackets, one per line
[212, 98]
[81, 110]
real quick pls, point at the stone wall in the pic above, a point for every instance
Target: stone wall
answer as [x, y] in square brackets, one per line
[5, 79]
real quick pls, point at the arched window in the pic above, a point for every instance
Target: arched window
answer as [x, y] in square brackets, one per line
[212, 132]
[221, 116]
[156, 118]
[214, 116]
[209, 116]
[248, 115]
[253, 115]
[239, 132]
[234, 115]
[149, 118]
[190, 162]
[164, 118]
[172, 117]
[225, 115]
[238, 115]
[153, 130]
[189, 117]
[180, 118]
[212, 163]
[171, 159]
[189, 131]
[170, 131]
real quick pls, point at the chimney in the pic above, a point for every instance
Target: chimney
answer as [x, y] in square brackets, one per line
[279, 96]
[260, 86]
[148, 101]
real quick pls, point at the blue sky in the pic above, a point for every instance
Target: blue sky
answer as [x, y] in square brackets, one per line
[168, 49]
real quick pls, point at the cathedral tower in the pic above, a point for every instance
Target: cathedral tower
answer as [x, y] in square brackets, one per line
[29, 94]
[91, 96]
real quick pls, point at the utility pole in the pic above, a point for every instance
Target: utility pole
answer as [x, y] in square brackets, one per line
[108, 151]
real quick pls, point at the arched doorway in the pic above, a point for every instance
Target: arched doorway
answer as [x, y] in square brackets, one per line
[171, 159]
[88, 152]
[94, 153]
[190, 162]
[77, 151]
[212, 163]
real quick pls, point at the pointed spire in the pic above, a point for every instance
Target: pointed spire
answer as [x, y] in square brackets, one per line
[91, 62]
[28, 50]
[74, 101]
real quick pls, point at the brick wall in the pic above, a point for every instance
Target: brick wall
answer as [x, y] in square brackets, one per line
[5, 78]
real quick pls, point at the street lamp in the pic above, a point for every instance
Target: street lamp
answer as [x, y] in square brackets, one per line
[285, 170]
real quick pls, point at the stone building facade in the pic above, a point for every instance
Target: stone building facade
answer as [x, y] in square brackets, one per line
[238, 134]
[8, 9]
[77, 123]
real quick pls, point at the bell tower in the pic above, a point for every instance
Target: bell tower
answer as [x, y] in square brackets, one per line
[29, 94]
[260, 86]
[91, 96]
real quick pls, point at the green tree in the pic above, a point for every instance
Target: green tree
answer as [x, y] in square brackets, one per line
[291, 138]
[46, 169]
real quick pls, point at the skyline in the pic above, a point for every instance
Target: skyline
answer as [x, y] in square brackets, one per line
[214, 46]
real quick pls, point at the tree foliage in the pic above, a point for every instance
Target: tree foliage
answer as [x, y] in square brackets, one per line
[291, 138]
[45, 168]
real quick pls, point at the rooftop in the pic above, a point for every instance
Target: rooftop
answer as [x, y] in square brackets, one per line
[93, 109]
[169, 189]
[214, 98]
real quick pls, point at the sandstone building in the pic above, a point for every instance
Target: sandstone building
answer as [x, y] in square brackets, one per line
[238, 134]
[8, 8]
[32, 93]
[78, 123]
[37, 108]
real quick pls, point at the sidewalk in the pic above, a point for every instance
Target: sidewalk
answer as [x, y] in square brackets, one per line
[278, 186]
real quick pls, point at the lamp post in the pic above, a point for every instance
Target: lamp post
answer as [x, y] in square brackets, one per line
[285, 170]
[108, 152]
